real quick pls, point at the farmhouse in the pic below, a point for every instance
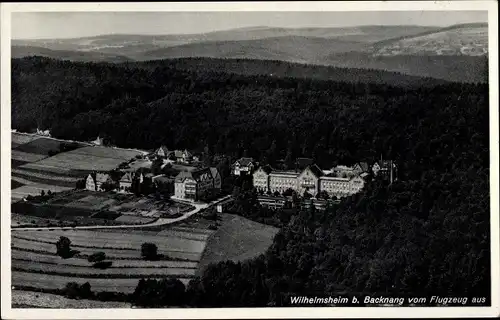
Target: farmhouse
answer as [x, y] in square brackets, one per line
[386, 169]
[125, 181]
[243, 166]
[196, 184]
[43, 132]
[178, 156]
[98, 141]
[162, 152]
[311, 180]
[95, 181]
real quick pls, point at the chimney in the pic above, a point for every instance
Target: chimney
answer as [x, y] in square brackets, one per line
[392, 168]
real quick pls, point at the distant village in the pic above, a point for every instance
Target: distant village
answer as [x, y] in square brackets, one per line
[196, 182]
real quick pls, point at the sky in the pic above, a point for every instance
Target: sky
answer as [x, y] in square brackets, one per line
[42, 25]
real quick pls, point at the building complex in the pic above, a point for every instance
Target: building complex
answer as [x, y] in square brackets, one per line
[197, 184]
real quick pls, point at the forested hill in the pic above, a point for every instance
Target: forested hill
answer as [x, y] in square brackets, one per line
[426, 234]
[282, 69]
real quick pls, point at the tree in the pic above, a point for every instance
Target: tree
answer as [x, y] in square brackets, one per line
[288, 192]
[97, 257]
[156, 166]
[80, 184]
[108, 186]
[149, 251]
[63, 247]
[42, 193]
[323, 195]
[74, 291]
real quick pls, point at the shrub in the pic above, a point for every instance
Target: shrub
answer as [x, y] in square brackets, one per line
[102, 264]
[149, 251]
[73, 290]
[97, 257]
[63, 247]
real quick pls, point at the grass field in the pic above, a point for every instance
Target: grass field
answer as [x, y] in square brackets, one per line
[40, 146]
[29, 299]
[47, 281]
[186, 247]
[35, 263]
[237, 239]
[18, 139]
[32, 166]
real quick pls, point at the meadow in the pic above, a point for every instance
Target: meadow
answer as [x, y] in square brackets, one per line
[184, 249]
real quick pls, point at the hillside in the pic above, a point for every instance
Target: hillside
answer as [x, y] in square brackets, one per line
[468, 69]
[455, 53]
[281, 69]
[85, 56]
[287, 48]
[113, 43]
[467, 39]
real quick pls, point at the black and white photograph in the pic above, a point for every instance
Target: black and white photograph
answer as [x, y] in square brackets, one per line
[249, 159]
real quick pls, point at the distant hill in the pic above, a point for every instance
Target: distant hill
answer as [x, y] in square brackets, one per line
[24, 51]
[286, 48]
[464, 39]
[280, 69]
[455, 53]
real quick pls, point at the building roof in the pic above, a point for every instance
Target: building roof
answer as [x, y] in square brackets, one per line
[197, 175]
[285, 173]
[332, 178]
[267, 169]
[214, 172]
[244, 161]
[386, 164]
[102, 177]
[316, 170]
[164, 149]
[127, 177]
[363, 166]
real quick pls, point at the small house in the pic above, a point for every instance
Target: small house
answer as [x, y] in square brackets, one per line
[125, 182]
[243, 166]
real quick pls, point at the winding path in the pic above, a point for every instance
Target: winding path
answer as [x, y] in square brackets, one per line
[159, 222]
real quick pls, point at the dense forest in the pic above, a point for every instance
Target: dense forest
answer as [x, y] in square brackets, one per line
[428, 233]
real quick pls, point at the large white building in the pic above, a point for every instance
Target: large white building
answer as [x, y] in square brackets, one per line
[340, 182]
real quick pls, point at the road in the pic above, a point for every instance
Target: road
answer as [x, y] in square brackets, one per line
[159, 222]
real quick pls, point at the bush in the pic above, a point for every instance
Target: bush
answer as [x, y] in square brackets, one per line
[102, 264]
[149, 251]
[97, 257]
[212, 227]
[63, 247]
[74, 291]
[158, 293]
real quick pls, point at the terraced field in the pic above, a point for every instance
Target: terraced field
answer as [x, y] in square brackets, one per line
[186, 248]
[35, 263]
[33, 166]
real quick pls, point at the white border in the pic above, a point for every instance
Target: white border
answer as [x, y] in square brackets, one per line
[247, 313]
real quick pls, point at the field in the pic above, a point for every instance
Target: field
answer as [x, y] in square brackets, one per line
[237, 239]
[35, 263]
[185, 248]
[28, 299]
[34, 170]
[92, 208]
